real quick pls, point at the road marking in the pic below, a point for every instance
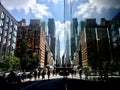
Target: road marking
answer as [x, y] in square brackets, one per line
[29, 86]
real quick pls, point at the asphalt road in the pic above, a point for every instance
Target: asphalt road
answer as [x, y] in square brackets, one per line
[63, 84]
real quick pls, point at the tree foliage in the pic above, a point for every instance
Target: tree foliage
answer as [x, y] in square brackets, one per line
[11, 63]
[29, 60]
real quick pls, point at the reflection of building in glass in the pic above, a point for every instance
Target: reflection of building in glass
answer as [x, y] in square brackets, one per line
[8, 33]
[115, 34]
[95, 46]
[67, 52]
[88, 41]
[74, 38]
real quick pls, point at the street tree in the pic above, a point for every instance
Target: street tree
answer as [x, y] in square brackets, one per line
[11, 63]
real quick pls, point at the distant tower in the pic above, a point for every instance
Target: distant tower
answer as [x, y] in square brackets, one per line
[51, 27]
[51, 36]
[58, 61]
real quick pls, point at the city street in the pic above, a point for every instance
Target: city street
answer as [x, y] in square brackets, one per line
[62, 83]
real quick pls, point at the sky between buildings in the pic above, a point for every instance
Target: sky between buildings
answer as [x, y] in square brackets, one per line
[44, 9]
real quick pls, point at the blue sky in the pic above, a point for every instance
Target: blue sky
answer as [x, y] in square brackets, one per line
[44, 9]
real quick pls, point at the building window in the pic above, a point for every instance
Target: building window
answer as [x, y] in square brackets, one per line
[15, 27]
[15, 33]
[8, 43]
[2, 15]
[9, 36]
[4, 40]
[11, 23]
[7, 19]
[10, 29]
[5, 33]
[0, 38]
[13, 45]
[1, 22]
[6, 26]
[14, 39]
[0, 31]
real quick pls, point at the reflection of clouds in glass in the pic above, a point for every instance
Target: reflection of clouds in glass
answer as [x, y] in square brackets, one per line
[54, 1]
[89, 8]
[59, 29]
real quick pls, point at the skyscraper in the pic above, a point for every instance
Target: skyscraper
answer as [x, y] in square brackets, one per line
[74, 27]
[43, 26]
[58, 60]
[51, 27]
[51, 36]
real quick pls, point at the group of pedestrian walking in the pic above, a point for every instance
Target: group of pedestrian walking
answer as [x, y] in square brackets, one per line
[37, 74]
[42, 73]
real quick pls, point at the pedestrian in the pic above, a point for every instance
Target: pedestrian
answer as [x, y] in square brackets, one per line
[39, 73]
[80, 73]
[43, 74]
[86, 73]
[48, 73]
[35, 74]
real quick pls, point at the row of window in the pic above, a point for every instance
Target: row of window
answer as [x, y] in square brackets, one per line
[8, 22]
[8, 30]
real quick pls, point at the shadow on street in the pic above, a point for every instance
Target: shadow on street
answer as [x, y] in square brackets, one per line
[61, 84]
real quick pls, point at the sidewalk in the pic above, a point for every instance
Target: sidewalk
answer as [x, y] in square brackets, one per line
[54, 77]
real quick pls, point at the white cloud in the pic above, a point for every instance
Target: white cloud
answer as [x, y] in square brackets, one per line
[67, 28]
[72, 1]
[89, 8]
[19, 4]
[104, 4]
[54, 1]
[39, 10]
[59, 29]
[62, 29]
